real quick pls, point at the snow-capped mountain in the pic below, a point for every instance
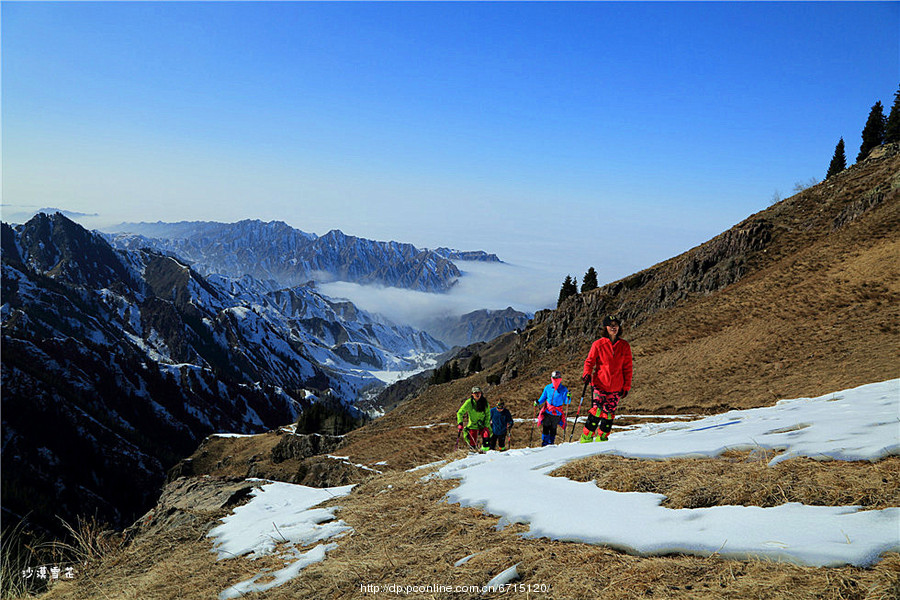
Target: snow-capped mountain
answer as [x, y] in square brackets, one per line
[117, 362]
[292, 257]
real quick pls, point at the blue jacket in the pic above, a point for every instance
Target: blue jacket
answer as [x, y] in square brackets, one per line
[501, 421]
[554, 399]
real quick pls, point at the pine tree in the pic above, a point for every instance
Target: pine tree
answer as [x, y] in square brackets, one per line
[892, 127]
[441, 374]
[590, 281]
[569, 288]
[564, 290]
[474, 364]
[873, 132]
[838, 161]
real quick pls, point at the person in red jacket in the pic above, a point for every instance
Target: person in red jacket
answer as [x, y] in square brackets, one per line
[608, 369]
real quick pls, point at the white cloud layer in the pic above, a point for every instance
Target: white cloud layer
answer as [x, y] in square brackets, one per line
[483, 285]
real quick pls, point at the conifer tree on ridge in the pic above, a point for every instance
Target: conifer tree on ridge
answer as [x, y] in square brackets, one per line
[589, 282]
[569, 288]
[873, 132]
[892, 126]
[838, 161]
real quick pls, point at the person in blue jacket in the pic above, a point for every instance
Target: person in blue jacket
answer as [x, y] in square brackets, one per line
[501, 423]
[553, 402]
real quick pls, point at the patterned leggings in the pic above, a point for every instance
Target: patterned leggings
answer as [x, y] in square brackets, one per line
[478, 438]
[602, 413]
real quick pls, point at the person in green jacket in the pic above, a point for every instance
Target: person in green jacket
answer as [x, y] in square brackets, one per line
[478, 429]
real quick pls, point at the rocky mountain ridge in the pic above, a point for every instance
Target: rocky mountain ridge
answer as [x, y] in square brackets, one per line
[275, 251]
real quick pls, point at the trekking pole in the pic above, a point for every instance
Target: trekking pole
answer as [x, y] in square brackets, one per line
[533, 420]
[572, 433]
[458, 433]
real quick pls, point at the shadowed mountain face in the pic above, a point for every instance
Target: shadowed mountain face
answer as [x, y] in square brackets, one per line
[117, 363]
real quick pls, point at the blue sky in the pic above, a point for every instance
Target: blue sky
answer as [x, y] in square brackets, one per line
[558, 135]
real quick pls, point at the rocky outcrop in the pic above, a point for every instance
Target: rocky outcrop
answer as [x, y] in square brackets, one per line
[859, 208]
[703, 270]
[187, 501]
[299, 446]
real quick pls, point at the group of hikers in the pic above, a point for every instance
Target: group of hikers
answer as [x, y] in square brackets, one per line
[607, 369]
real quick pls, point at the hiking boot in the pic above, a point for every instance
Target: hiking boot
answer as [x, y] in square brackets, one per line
[603, 437]
[585, 438]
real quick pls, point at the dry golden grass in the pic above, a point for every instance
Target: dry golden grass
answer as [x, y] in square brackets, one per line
[744, 479]
[404, 534]
[175, 563]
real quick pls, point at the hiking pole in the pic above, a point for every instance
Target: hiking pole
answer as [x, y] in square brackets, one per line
[458, 433]
[583, 390]
[533, 420]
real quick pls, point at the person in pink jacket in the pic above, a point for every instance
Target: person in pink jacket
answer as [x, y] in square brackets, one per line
[608, 368]
[554, 402]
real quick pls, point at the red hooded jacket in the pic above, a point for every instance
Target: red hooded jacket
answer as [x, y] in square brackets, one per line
[613, 363]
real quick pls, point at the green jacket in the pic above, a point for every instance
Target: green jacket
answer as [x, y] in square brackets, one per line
[477, 420]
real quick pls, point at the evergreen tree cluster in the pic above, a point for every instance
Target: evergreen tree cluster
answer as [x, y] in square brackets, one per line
[570, 285]
[447, 372]
[892, 124]
[878, 130]
[873, 132]
[451, 370]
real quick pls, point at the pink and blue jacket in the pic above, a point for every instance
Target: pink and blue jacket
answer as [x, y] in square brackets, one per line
[554, 401]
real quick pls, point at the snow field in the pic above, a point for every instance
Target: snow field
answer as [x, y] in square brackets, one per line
[858, 424]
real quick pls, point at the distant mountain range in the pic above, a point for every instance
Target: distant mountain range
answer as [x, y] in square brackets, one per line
[117, 362]
[478, 326]
[275, 251]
